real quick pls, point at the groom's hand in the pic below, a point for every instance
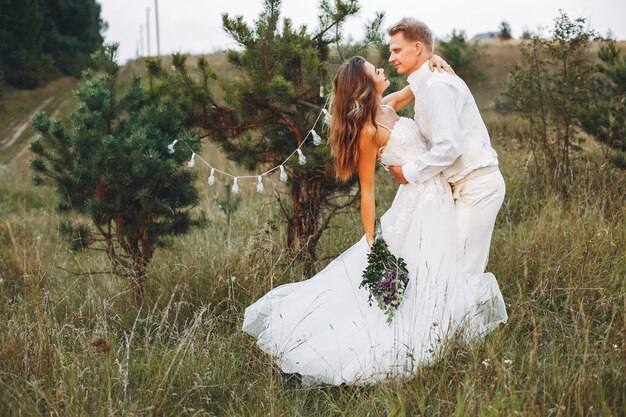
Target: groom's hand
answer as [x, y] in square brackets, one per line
[398, 175]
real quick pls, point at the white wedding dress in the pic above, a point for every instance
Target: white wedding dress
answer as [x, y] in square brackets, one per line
[325, 330]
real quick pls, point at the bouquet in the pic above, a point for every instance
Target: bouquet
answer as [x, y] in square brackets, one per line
[386, 276]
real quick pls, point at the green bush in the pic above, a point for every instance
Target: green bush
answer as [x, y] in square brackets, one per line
[113, 166]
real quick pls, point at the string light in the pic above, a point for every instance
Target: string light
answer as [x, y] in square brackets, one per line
[170, 147]
[192, 161]
[283, 174]
[326, 116]
[316, 139]
[235, 188]
[301, 157]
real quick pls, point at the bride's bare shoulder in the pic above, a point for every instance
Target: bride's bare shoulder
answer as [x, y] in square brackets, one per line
[368, 135]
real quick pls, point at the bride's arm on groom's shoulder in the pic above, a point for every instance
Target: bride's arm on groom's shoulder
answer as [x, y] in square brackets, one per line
[399, 99]
[366, 166]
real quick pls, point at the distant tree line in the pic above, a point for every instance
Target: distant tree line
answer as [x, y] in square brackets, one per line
[44, 39]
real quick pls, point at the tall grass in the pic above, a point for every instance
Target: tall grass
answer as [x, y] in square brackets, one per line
[75, 343]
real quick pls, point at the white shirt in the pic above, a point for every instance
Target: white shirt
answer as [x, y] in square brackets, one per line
[448, 117]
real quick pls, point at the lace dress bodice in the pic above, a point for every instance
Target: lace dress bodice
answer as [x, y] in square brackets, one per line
[405, 144]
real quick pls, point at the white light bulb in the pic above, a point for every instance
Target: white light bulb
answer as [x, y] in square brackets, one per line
[301, 157]
[316, 138]
[170, 147]
[192, 161]
[326, 116]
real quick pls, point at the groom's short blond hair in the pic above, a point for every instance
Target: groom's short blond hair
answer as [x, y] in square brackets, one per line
[414, 30]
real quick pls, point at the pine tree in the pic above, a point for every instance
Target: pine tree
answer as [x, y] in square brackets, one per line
[42, 39]
[269, 108]
[113, 166]
[465, 57]
[604, 117]
[505, 33]
[549, 90]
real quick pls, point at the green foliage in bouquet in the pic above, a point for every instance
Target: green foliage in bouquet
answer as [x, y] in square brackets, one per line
[386, 276]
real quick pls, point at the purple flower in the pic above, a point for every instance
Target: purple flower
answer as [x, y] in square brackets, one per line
[386, 278]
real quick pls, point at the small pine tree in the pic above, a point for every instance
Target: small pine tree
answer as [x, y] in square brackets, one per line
[269, 108]
[549, 89]
[463, 56]
[527, 34]
[506, 33]
[604, 117]
[112, 165]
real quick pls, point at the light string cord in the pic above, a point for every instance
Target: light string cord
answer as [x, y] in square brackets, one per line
[269, 171]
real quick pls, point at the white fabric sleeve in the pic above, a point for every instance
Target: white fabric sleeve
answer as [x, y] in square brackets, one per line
[443, 108]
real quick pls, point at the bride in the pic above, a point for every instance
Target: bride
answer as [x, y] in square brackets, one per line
[323, 328]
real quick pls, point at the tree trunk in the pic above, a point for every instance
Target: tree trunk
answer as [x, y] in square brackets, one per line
[138, 277]
[304, 219]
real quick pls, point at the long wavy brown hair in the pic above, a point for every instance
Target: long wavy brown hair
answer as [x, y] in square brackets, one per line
[354, 103]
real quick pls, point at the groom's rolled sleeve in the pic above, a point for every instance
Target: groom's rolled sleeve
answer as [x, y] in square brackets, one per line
[443, 107]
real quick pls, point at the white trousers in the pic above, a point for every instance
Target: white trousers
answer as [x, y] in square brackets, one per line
[477, 202]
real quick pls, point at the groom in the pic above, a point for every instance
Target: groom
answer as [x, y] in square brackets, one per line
[460, 149]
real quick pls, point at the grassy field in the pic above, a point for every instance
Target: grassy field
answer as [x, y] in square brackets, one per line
[76, 342]
[17, 108]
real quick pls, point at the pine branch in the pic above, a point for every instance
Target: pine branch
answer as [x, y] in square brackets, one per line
[271, 27]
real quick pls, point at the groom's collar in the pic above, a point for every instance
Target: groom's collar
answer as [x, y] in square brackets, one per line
[419, 74]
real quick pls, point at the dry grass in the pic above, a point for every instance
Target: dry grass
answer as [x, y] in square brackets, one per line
[75, 343]
[17, 107]
[560, 266]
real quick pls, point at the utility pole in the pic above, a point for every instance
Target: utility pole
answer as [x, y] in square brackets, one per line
[141, 39]
[158, 34]
[148, 29]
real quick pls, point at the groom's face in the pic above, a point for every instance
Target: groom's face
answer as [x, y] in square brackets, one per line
[405, 54]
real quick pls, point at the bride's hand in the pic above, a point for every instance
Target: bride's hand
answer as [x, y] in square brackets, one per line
[438, 62]
[398, 175]
[370, 242]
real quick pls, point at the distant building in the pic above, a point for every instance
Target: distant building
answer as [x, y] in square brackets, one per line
[485, 36]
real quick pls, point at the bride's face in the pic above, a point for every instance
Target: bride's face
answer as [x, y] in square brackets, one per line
[378, 75]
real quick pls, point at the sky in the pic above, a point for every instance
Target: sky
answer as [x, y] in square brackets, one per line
[195, 26]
